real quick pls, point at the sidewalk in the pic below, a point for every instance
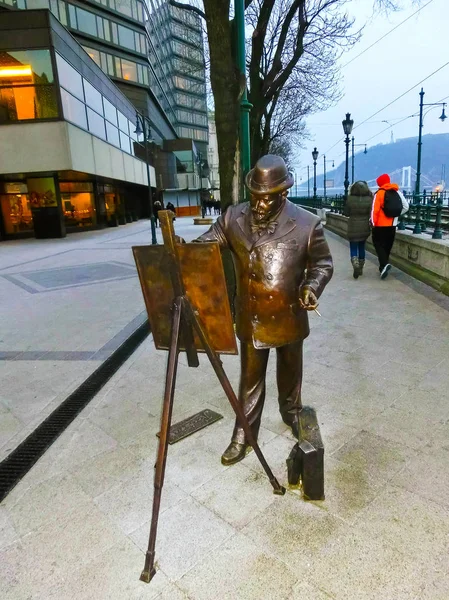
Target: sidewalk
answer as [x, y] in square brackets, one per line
[77, 525]
[65, 306]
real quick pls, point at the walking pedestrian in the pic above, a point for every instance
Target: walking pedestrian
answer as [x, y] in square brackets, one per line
[388, 204]
[157, 206]
[358, 209]
[171, 207]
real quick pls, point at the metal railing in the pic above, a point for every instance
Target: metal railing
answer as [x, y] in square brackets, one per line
[428, 213]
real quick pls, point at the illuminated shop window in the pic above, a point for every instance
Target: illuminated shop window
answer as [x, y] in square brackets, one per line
[78, 203]
[26, 86]
[15, 208]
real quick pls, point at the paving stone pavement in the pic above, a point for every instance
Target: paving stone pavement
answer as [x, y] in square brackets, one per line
[375, 370]
[65, 306]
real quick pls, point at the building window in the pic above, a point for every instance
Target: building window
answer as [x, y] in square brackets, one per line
[125, 143]
[93, 97]
[129, 70]
[74, 110]
[112, 134]
[62, 12]
[89, 111]
[78, 203]
[115, 66]
[123, 122]
[69, 78]
[26, 86]
[126, 37]
[193, 133]
[37, 4]
[72, 17]
[96, 124]
[16, 209]
[110, 112]
[86, 22]
[95, 55]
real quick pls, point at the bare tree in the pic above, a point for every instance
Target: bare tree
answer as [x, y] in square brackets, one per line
[292, 63]
[292, 70]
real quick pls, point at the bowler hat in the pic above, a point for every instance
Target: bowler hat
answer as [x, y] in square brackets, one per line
[269, 176]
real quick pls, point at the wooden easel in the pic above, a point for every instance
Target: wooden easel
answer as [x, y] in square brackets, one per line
[185, 322]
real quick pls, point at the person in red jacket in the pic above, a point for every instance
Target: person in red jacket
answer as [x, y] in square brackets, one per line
[384, 228]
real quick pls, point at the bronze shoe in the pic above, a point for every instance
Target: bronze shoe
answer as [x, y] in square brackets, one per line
[234, 453]
[293, 422]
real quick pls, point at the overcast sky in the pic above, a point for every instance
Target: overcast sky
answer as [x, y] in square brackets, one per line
[391, 67]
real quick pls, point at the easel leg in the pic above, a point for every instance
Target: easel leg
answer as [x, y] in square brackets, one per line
[149, 571]
[218, 368]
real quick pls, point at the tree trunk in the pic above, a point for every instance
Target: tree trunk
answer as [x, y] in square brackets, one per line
[225, 86]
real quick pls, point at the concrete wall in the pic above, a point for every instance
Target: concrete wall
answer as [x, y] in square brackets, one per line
[60, 146]
[417, 255]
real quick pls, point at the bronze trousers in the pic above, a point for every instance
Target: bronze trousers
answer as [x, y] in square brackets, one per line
[252, 384]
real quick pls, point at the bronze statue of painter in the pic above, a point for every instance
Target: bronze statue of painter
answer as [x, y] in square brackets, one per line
[282, 264]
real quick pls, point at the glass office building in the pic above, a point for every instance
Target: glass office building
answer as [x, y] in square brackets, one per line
[153, 51]
[67, 143]
[177, 56]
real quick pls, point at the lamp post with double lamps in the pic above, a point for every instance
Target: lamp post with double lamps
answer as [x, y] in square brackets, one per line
[199, 162]
[324, 174]
[353, 157]
[315, 158]
[142, 127]
[443, 117]
[348, 124]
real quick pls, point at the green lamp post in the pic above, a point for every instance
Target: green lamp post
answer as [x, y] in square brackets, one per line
[315, 154]
[443, 117]
[144, 128]
[418, 227]
[348, 124]
[245, 105]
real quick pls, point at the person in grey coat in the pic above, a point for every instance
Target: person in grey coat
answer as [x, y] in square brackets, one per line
[358, 209]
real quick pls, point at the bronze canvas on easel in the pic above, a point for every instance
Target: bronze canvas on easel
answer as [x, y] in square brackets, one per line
[205, 287]
[187, 303]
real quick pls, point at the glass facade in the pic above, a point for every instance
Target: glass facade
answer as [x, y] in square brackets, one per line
[84, 106]
[158, 46]
[121, 68]
[177, 60]
[27, 89]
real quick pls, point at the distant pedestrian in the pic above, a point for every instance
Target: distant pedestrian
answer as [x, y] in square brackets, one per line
[388, 204]
[171, 207]
[157, 206]
[358, 209]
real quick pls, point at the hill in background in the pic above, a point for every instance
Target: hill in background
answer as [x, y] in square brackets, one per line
[388, 158]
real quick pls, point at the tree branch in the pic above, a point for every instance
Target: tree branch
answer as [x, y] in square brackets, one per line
[194, 9]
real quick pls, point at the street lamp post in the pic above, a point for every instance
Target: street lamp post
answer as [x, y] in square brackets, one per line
[315, 158]
[442, 117]
[418, 227]
[245, 105]
[353, 157]
[325, 173]
[324, 177]
[199, 161]
[348, 124]
[143, 128]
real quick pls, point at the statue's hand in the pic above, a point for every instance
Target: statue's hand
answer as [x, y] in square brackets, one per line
[308, 300]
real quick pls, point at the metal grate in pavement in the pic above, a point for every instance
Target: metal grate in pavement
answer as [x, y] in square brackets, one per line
[15, 466]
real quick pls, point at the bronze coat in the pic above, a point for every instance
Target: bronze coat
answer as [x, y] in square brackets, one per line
[272, 270]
